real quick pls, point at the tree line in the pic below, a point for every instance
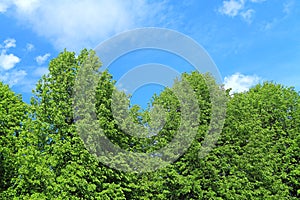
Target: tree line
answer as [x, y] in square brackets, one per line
[42, 155]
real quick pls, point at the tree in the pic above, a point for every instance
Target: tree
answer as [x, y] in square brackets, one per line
[256, 151]
[53, 161]
[181, 179]
[13, 112]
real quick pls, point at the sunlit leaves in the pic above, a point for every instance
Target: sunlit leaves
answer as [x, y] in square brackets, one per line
[43, 154]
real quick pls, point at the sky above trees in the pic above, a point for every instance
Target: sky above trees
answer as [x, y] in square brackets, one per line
[250, 40]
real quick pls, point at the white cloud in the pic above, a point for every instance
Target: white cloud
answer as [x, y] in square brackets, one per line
[42, 59]
[8, 61]
[240, 83]
[235, 8]
[232, 7]
[29, 47]
[8, 43]
[248, 15]
[12, 78]
[77, 24]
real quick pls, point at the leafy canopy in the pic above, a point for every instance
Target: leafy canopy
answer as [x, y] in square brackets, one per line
[43, 155]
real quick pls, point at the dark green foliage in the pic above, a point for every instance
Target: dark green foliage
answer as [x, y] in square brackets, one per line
[42, 155]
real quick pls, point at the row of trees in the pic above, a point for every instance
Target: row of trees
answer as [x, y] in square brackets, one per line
[42, 155]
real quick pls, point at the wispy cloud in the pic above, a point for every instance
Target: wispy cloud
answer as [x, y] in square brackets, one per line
[240, 83]
[270, 24]
[287, 7]
[248, 15]
[42, 59]
[9, 43]
[75, 24]
[13, 77]
[233, 8]
[29, 47]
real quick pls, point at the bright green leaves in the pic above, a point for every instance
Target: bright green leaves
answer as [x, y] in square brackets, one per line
[45, 156]
[76, 173]
[12, 116]
[254, 149]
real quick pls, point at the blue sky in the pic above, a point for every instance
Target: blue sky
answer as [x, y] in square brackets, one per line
[249, 40]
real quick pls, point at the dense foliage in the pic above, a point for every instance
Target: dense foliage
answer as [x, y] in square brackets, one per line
[42, 155]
